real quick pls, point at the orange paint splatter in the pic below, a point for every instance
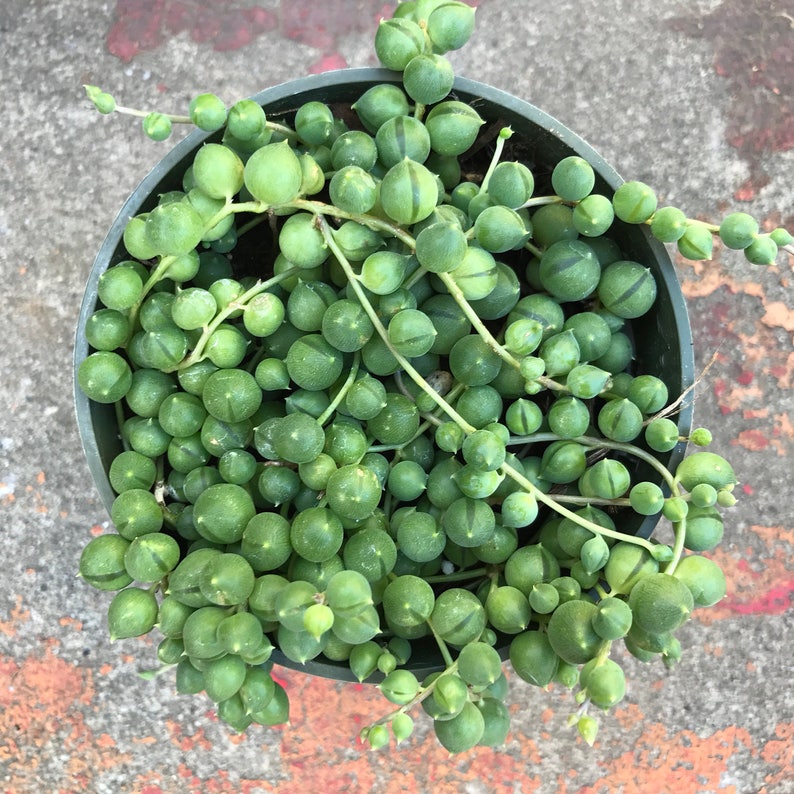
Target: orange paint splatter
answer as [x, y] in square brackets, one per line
[758, 360]
[780, 752]
[185, 742]
[42, 700]
[628, 715]
[191, 783]
[18, 615]
[778, 314]
[752, 440]
[323, 714]
[775, 536]
[682, 761]
[700, 279]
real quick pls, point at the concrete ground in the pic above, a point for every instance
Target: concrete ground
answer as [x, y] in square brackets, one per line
[693, 97]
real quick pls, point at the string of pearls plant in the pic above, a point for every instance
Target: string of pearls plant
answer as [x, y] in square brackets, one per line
[370, 400]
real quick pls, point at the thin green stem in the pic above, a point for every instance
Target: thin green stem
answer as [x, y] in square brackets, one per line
[174, 118]
[118, 408]
[252, 224]
[490, 339]
[459, 576]
[255, 206]
[143, 113]
[636, 452]
[602, 443]
[442, 646]
[149, 675]
[603, 654]
[415, 277]
[430, 419]
[499, 146]
[552, 502]
[370, 221]
[472, 316]
[404, 363]
[570, 499]
[283, 129]
[157, 274]
[197, 354]
[533, 249]
[340, 395]
[424, 693]
[539, 201]
[679, 527]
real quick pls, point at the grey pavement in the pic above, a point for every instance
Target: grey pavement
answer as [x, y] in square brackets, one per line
[694, 98]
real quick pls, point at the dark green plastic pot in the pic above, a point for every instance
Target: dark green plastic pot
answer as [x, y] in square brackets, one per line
[663, 339]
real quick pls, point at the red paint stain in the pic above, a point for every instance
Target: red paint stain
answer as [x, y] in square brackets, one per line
[279, 678]
[328, 63]
[753, 52]
[142, 25]
[748, 190]
[760, 581]
[775, 601]
[745, 378]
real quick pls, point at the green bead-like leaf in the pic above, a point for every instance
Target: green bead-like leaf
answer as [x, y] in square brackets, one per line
[273, 174]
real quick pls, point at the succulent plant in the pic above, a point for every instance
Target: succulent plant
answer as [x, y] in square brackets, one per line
[414, 420]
